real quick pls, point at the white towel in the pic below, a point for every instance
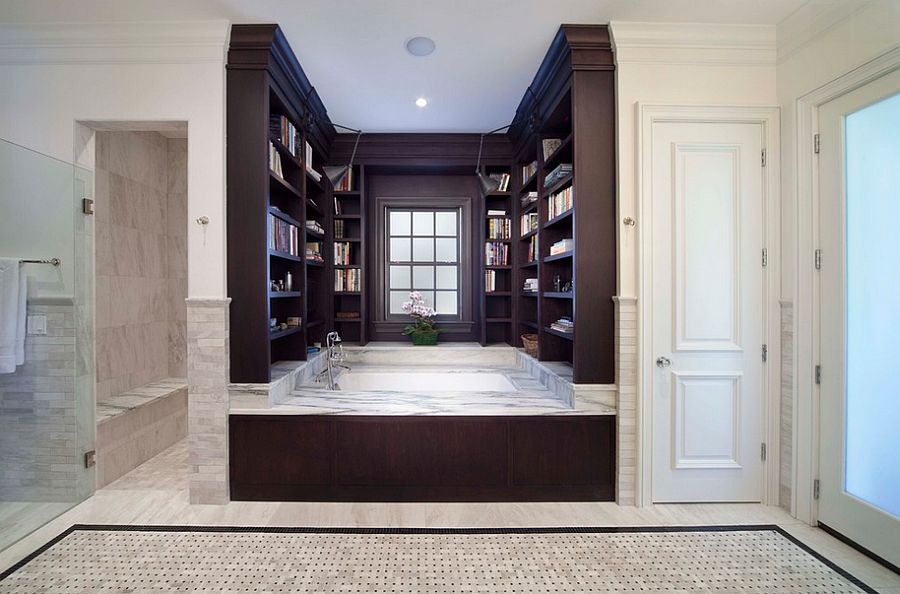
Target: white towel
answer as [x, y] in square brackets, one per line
[13, 292]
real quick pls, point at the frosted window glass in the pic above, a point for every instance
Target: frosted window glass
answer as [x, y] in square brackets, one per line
[423, 277]
[873, 317]
[423, 250]
[446, 250]
[398, 298]
[400, 278]
[446, 277]
[445, 223]
[446, 302]
[400, 250]
[428, 296]
[423, 223]
[400, 222]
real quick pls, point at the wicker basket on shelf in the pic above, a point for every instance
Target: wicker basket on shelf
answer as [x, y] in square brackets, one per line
[530, 342]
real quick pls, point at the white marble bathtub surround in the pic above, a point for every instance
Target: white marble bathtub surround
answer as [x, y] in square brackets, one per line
[286, 375]
[557, 377]
[462, 354]
[208, 371]
[626, 341]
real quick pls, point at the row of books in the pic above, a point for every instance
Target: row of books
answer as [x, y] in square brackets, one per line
[496, 254]
[550, 146]
[308, 160]
[529, 198]
[533, 249]
[562, 246]
[314, 251]
[313, 225]
[284, 236]
[499, 229]
[529, 222]
[346, 183]
[339, 228]
[285, 133]
[275, 161]
[347, 315]
[342, 255]
[564, 324]
[529, 170]
[559, 172]
[502, 179]
[490, 281]
[347, 280]
[560, 202]
[530, 285]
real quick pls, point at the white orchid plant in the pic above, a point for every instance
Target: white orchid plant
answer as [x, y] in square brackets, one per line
[422, 315]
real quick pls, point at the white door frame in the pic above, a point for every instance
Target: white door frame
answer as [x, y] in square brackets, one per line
[807, 298]
[769, 118]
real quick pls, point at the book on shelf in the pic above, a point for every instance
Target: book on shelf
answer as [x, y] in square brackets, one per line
[529, 170]
[550, 146]
[533, 249]
[342, 255]
[530, 286]
[346, 183]
[339, 228]
[337, 206]
[559, 172]
[496, 212]
[529, 198]
[283, 237]
[564, 324]
[347, 280]
[499, 228]
[496, 254]
[560, 202]
[529, 222]
[502, 179]
[562, 246]
[490, 281]
[308, 161]
[275, 161]
[285, 133]
[313, 225]
[347, 315]
[314, 251]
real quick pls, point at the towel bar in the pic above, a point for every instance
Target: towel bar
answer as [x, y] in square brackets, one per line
[53, 261]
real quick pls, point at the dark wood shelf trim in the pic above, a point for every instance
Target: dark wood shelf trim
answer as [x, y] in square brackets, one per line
[550, 161]
[348, 293]
[555, 295]
[570, 336]
[315, 263]
[285, 294]
[528, 235]
[318, 184]
[498, 320]
[347, 266]
[348, 239]
[529, 324]
[559, 218]
[314, 323]
[566, 181]
[562, 256]
[498, 267]
[529, 207]
[531, 294]
[531, 264]
[315, 234]
[347, 193]
[285, 217]
[285, 256]
[285, 152]
[281, 183]
[283, 333]
[347, 216]
[498, 293]
[347, 320]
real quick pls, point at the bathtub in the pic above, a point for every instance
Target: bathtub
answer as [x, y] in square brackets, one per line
[424, 381]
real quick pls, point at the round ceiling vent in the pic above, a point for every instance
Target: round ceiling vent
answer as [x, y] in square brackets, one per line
[420, 46]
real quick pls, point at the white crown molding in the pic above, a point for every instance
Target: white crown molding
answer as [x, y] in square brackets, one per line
[114, 43]
[693, 43]
[810, 21]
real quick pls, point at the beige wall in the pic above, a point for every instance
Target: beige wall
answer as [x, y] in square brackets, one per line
[141, 259]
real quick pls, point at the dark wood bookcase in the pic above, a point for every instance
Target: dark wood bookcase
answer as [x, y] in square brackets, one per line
[349, 228]
[497, 305]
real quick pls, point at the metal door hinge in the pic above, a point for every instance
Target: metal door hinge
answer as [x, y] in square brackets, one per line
[816, 489]
[87, 206]
[762, 452]
[90, 459]
[765, 257]
[818, 374]
[816, 143]
[765, 353]
[818, 259]
[764, 157]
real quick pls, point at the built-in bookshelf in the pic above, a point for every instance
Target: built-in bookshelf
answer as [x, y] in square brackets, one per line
[349, 257]
[498, 258]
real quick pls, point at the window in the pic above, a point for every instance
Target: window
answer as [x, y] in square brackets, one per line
[423, 248]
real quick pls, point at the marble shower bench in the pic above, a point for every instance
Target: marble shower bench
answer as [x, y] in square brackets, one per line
[136, 425]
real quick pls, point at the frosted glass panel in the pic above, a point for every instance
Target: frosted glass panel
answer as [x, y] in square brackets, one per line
[423, 223]
[446, 302]
[446, 277]
[423, 250]
[428, 296]
[423, 277]
[446, 250]
[400, 224]
[445, 223]
[400, 278]
[400, 250]
[398, 298]
[873, 317]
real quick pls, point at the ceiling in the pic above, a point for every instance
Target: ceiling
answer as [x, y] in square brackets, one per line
[353, 50]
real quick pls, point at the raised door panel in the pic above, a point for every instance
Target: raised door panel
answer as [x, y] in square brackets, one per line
[706, 424]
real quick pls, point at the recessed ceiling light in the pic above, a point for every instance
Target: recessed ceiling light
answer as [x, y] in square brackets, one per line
[421, 102]
[420, 46]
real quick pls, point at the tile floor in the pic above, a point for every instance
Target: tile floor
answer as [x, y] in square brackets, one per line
[156, 493]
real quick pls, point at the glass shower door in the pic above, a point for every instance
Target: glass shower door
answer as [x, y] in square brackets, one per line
[47, 372]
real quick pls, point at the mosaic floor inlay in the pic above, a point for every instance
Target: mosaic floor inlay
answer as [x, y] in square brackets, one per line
[154, 559]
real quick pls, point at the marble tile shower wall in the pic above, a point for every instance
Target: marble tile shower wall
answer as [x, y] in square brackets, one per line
[141, 259]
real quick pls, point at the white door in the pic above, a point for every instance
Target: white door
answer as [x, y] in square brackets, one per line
[859, 400]
[708, 317]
